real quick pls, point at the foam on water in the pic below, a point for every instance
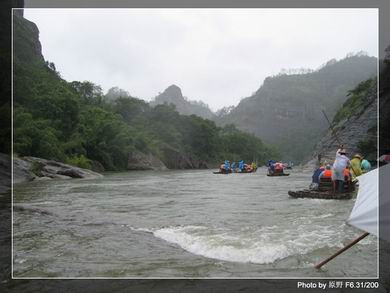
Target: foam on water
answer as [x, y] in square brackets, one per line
[222, 246]
[265, 245]
[324, 216]
[140, 229]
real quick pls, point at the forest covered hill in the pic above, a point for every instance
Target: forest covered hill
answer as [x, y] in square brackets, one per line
[287, 109]
[73, 122]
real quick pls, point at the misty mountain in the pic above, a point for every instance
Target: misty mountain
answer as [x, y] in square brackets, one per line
[287, 109]
[115, 93]
[173, 95]
[224, 111]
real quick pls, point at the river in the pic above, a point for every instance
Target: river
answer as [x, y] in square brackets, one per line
[183, 224]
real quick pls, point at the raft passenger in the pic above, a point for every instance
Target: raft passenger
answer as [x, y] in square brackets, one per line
[241, 165]
[315, 180]
[233, 166]
[339, 165]
[227, 166]
[278, 167]
[348, 178]
[254, 166]
[365, 166]
[327, 173]
[356, 166]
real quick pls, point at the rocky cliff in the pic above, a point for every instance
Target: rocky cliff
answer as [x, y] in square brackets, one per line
[27, 41]
[354, 125]
[173, 95]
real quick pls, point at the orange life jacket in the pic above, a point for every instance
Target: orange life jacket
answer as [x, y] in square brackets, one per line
[327, 174]
[346, 173]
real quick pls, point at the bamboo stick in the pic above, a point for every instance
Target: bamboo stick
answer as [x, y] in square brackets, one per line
[342, 250]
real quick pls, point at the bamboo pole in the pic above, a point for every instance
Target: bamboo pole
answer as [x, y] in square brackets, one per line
[331, 127]
[335, 135]
[342, 250]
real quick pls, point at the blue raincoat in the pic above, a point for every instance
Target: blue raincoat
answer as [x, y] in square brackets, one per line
[227, 166]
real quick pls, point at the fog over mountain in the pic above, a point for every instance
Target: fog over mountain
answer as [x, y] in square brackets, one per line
[287, 109]
[264, 62]
[218, 56]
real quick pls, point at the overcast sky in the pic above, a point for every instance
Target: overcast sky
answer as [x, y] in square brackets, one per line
[217, 56]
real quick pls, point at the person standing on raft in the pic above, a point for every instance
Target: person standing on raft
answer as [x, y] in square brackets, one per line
[227, 166]
[241, 165]
[341, 161]
[254, 166]
[356, 166]
[233, 167]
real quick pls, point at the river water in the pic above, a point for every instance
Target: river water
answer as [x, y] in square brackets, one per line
[184, 224]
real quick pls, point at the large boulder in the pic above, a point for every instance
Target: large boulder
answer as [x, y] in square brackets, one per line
[22, 171]
[140, 161]
[176, 159]
[5, 173]
[30, 168]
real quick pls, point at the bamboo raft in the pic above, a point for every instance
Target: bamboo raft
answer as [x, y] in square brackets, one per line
[321, 194]
[230, 172]
[325, 191]
[278, 174]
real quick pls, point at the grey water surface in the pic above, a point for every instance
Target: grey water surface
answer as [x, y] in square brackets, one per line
[185, 224]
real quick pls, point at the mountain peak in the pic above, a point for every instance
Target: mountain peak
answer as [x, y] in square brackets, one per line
[173, 90]
[173, 95]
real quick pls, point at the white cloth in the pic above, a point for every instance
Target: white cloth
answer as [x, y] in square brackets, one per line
[339, 165]
[364, 214]
[384, 202]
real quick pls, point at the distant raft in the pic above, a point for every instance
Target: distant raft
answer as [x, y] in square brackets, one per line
[241, 172]
[278, 174]
[306, 193]
[245, 171]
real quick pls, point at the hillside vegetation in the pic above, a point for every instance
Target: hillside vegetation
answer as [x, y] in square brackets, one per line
[73, 122]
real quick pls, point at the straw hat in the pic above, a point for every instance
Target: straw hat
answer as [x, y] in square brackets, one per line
[358, 156]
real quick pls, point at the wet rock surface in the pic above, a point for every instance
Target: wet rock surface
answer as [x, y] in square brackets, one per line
[140, 161]
[32, 168]
[351, 132]
[175, 159]
[5, 173]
